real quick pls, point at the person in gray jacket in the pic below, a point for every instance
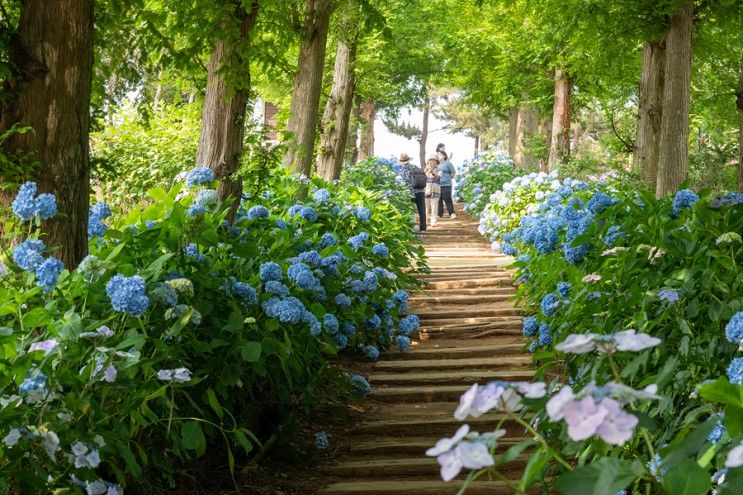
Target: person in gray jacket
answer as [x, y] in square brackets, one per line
[446, 174]
[411, 175]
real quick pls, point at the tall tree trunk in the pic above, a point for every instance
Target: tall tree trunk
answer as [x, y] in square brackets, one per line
[49, 91]
[225, 106]
[527, 125]
[424, 131]
[513, 117]
[477, 145]
[673, 160]
[302, 124]
[335, 121]
[352, 142]
[650, 110]
[739, 104]
[368, 116]
[545, 129]
[560, 142]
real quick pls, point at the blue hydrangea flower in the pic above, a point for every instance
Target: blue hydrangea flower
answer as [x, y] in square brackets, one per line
[276, 288]
[234, 287]
[545, 338]
[371, 352]
[575, 254]
[301, 275]
[127, 294]
[400, 297]
[150, 223]
[47, 273]
[321, 440]
[549, 304]
[531, 326]
[24, 204]
[371, 281]
[340, 340]
[357, 240]
[192, 251]
[321, 196]
[509, 250]
[402, 342]
[281, 224]
[734, 328]
[599, 202]
[683, 199]
[381, 250]
[98, 213]
[287, 310]
[46, 206]
[409, 325]
[258, 211]
[164, 294]
[716, 434]
[563, 288]
[195, 210]
[735, 371]
[360, 385]
[311, 320]
[343, 300]
[309, 214]
[362, 213]
[206, 197]
[668, 295]
[27, 255]
[612, 235]
[199, 176]
[348, 329]
[33, 382]
[328, 239]
[294, 210]
[374, 322]
[311, 257]
[271, 271]
[330, 323]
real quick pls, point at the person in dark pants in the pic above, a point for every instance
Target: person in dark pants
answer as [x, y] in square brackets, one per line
[412, 176]
[446, 174]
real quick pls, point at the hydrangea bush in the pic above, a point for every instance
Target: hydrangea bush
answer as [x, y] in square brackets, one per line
[180, 330]
[635, 317]
[478, 178]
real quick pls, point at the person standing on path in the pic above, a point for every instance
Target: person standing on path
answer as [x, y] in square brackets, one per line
[446, 172]
[416, 180]
[433, 189]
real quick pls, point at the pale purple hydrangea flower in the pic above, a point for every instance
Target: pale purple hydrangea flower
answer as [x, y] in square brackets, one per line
[593, 277]
[735, 457]
[177, 375]
[583, 418]
[45, 345]
[627, 340]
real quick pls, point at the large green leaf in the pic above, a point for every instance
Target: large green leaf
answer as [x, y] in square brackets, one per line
[723, 392]
[688, 478]
[193, 437]
[606, 476]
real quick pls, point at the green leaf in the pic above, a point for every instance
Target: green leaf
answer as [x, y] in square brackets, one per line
[722, 392]
[37, 317]
[733, 482]
[514, 451]
[734, 420]
[606, 476]
[193, 437]
[533, 469]
[214, 403]
[688, 478]
[251, 351]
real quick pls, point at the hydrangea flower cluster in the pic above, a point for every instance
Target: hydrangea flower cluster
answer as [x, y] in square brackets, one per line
[200, 176]
[359, 384]
[127, 294]
[682, 200]
[357, 240]
[627, 340]
[27, 205]
[98, 213]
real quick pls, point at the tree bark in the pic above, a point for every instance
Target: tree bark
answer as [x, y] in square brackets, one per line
[49, 92]
[560, 142]
[545, 129]
[673, 160]
[424, 131]
[225, 107]
[337, 115]
[352, 142]
[739, 105]
[477, 145]
[302, 124]
[368, 116]
[527, 125]
[513, 117]
[650, 110]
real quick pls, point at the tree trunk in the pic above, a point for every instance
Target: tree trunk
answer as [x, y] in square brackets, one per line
[545, 129]
[225, 106]
[302, 124]
[513, 117]
[527, 125]
[352, 142]
[424, 131]
[673, 160]
[647, 144]
[477, 145]
[560, 142]
[336, 118]
[49, 91]
[368, 116]
[739, 104]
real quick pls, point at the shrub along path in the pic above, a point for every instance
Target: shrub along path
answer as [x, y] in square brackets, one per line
[470, 332]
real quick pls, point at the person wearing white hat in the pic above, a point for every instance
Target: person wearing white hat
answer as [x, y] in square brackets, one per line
[416, 180]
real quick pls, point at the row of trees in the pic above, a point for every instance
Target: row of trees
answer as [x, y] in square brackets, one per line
[66, 64]
[541, 62]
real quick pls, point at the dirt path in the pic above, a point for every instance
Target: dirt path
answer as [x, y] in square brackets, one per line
[470, 332]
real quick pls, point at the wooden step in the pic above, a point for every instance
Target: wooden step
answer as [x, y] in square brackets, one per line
[465, 314]
[447, 349]
[412, 446]
[468, 284]
[513, 362]
[416, 487]
[418, 466]
[442, 391]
